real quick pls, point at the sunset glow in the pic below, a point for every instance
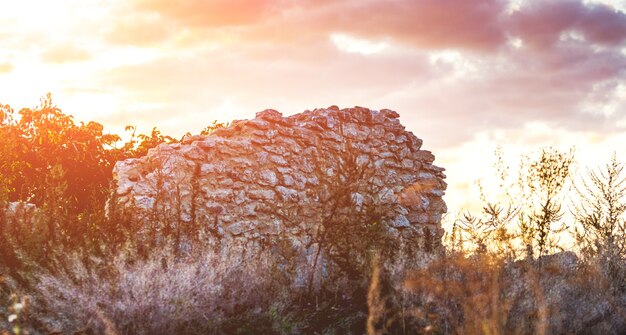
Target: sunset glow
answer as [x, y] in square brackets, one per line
[465, 76]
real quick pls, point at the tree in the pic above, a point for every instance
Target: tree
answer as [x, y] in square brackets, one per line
[45, 137]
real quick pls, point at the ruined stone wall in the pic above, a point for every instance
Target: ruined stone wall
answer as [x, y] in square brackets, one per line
[278, 175]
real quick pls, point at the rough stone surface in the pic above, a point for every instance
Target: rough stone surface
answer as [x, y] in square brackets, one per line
[273, 168]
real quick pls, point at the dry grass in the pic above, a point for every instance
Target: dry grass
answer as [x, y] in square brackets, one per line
[487, 294]
[162, 294]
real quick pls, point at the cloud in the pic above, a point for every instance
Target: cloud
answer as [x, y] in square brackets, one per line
[65, 53]
[543, 23]
[139, 29]
[212, 13]
[350, 44]
[438, 24]
[485, 25]
[472, 25]
[451, 62]
[460, 66]
[6, 68]
[283, 79]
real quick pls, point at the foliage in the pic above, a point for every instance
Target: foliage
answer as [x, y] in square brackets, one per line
[10, 164]
[208, 130]
[43, 138]
[138, 145]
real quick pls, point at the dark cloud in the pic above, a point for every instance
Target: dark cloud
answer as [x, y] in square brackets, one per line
[542, 23]
[429, 24]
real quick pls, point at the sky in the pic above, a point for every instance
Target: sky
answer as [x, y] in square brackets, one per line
[465, 76]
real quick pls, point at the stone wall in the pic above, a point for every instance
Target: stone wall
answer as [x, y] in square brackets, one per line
[281, 175]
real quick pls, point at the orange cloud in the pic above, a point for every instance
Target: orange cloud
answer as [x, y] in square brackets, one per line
[210, 12]
[64, 54]
[6, 67]
[138, 30]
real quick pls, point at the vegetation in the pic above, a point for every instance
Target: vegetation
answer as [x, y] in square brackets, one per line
[66, 267]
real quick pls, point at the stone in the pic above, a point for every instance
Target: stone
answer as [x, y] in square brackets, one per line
[192, 152]
[287, 194]
[219, 194]
[424, 156]
[242, 162]
[258, 124]
[191, 138]
[237, 228]
[268, 177]
[270, 114]
[407, 164]
[271, 133]
[288, 180]
[209, 142]
[262, 194]
[389, 113]
[240, 198]
[144, 202]
[349, 130]
[262, 158]
[400, 222]
[279, 160]
[214, 208]
[417, 219]
[362, 160]
[357, 199]
[211, 168]
[124, 186]
[250, 209]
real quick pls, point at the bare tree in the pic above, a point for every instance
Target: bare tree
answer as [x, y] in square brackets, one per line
[600, 215]
[542, 183]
